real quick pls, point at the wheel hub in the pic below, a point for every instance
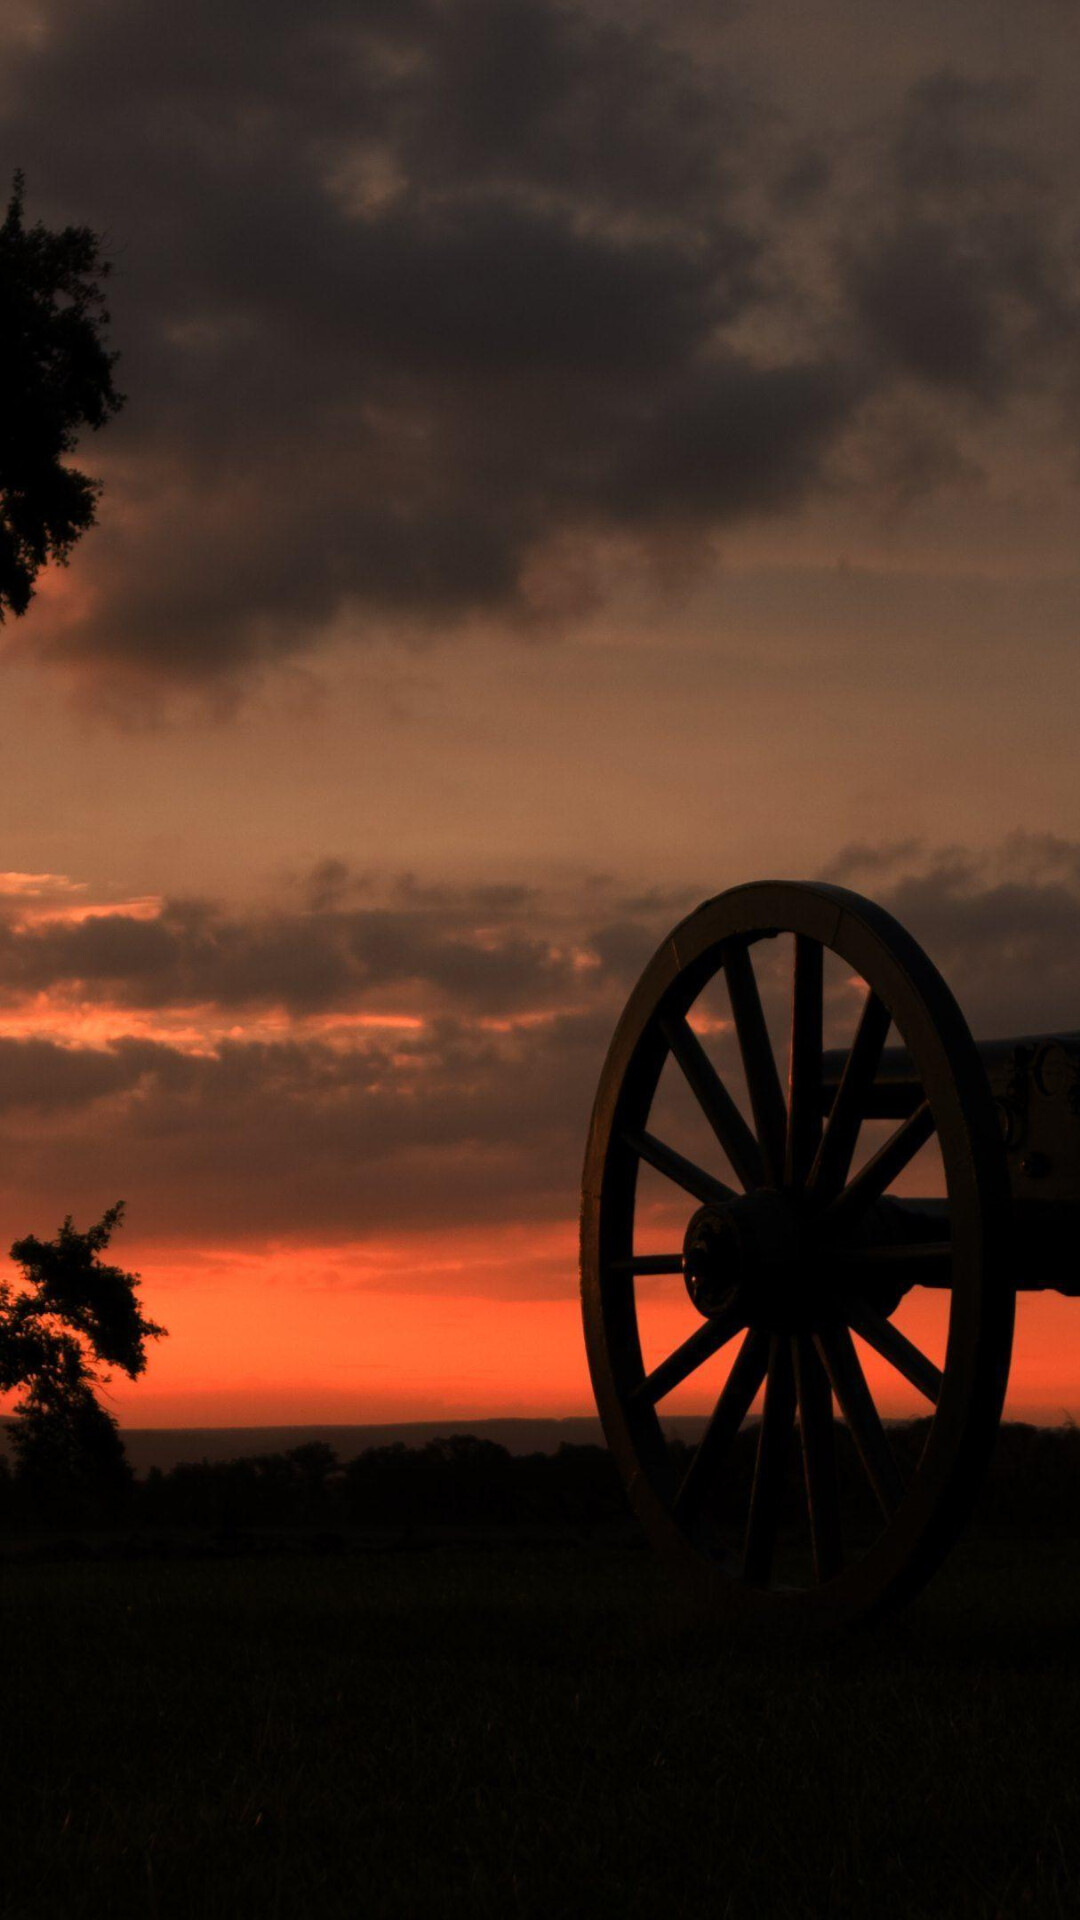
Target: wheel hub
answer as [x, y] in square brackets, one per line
[753, 1251]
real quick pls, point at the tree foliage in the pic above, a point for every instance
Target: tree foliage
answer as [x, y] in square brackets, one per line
[55, 378]
[72, 1320]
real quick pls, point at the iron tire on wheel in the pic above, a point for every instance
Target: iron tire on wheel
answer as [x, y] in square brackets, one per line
[795, 1164]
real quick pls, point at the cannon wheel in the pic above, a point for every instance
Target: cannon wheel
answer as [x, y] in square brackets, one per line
[789, 1231]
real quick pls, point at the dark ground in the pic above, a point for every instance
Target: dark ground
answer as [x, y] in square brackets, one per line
[498, 1727]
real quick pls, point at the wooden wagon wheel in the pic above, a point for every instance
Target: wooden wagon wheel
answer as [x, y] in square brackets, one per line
[788, 1252]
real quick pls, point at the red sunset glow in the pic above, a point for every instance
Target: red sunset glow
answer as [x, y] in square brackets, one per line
[391, 1313]
[665, 485]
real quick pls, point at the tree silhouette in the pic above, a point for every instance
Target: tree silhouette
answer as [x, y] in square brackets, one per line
[73, 1319]
[55, 377]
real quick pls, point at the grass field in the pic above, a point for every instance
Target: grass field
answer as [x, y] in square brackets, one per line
[523, 1729]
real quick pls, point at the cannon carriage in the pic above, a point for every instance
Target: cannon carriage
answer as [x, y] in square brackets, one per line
[810, 1208]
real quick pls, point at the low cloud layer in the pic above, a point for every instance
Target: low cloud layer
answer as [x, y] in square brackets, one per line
[488, 951]
[256, 1141]
[322, 1071]
[418, 306]
[340, 1074]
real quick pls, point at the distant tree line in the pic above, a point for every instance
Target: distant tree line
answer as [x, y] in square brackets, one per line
[464, 1482]
[460, 1481]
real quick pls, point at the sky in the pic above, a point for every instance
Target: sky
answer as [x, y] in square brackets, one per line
[575, 458]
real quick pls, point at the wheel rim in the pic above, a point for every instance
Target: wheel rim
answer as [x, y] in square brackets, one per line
[770, 1249]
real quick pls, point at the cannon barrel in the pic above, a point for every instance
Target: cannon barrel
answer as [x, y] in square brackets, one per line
[1051, 1059]
[1035, 1081]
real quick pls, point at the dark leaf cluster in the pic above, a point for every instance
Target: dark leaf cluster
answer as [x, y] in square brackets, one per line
[69, 1287]
[55, 379]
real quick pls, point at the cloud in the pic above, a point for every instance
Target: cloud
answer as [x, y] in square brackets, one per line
[493, 949]
[258, 1140]
[428, 1057]
[408, 297]
[965, 285]
[473, 1109]
[37, 886]
[1002, 924]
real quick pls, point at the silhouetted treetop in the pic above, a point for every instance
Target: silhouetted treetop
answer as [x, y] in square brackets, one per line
[55, 378]
[73, 1316]
[76, 1310]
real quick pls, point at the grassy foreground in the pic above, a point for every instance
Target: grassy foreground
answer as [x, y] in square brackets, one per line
[530, 1730]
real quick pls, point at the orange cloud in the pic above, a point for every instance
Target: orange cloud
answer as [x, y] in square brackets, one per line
[20, 886]
[69, 1020]
[144, 907]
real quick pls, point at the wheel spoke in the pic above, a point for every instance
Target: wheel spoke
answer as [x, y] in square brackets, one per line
[770, 1469]
[837, 1349]
[830, 1168]
[702, 1344]
[731, 1409]
[819, 1458]
[759, 1062]
[683, 1172]
[878, 1174]
[715, 1101]
[804, 1065]
[896, 1348]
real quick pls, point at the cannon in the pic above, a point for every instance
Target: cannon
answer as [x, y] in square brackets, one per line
[858, 1213]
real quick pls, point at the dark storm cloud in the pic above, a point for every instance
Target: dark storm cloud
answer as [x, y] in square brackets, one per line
[966, 284]
[42, 1080]
[405, 294]
[402, 289]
